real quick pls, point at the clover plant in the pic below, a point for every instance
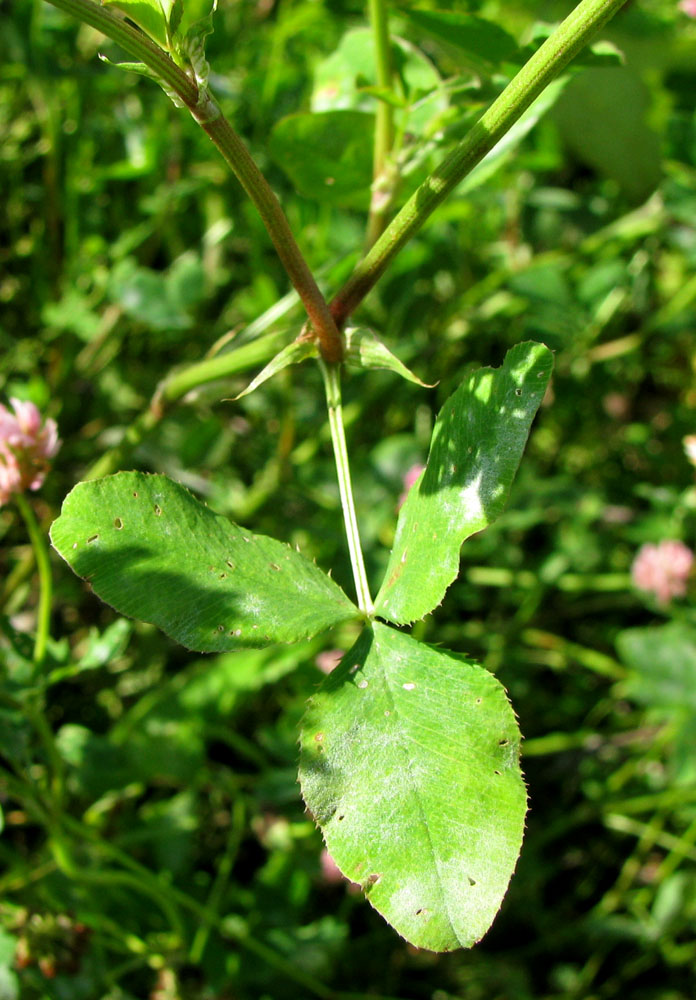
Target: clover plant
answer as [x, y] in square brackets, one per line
[409, 756]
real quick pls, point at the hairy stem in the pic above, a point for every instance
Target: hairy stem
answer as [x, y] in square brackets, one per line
[384, 125]
[556, 52]
[207, 113]
[43, 565]
[332, 384]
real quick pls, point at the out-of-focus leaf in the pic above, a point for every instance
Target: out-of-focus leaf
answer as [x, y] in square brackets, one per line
[662, 676]
[102, 649]
[347, 80]
[97, 765]
[160, 300]
[483, 40]
[150, 15]
[327, 155]
[662, 659]
[72, 313]
[603, 119]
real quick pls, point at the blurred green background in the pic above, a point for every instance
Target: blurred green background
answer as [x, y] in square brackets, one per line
[181, 863]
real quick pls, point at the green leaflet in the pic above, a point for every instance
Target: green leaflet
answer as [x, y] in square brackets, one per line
[150, 15]
[152, 551]
[662, 661]
[409, 763]
[363, 350]
[142, 70]
[191, 23]
[476, 447]
[478, 38]
[178, 26]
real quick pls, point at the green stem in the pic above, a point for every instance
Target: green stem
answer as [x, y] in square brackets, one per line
[224, 871]
[553, 56]
[332, 384]
[38, 543]
[62, 854]
[231, 926]
[384, 125]
[237, 930]
[207, 113]
[177, 385]
[37, 718]
[257, 352]
[111, 461]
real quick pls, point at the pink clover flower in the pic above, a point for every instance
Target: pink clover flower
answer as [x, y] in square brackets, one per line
[26, 448]
[663, 570]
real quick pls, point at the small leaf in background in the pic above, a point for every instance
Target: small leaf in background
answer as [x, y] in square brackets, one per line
[663, 664]
[160, 300]
[476, 447]
[339, 79]
[409, 763]
[153, 552]
[604, 119]
[347, 80]
[662, 676]
[293, 354]
[601, 53]
[208, 692]
[364, 350]
[96, 763]
[73, 313]
[478, 38]
[326, 155]
[102, 648]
